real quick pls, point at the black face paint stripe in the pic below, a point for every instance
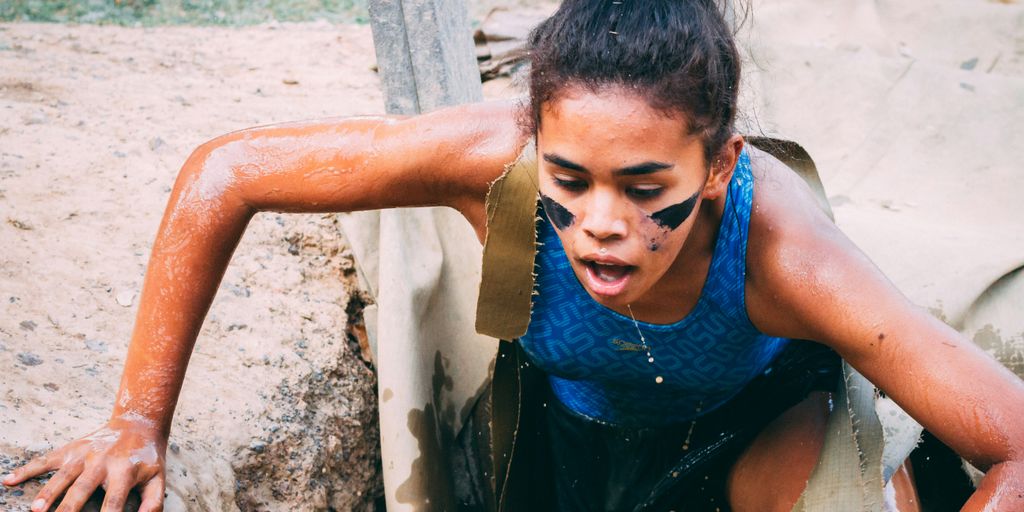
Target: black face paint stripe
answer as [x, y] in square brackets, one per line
[559, 215]
[673, 216]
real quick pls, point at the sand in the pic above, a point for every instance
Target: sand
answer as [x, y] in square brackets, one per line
[95, 123]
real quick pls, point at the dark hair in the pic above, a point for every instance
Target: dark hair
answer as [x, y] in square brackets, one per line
[679, 54]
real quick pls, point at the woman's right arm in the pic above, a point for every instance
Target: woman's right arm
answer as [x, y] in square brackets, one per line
[446, 158]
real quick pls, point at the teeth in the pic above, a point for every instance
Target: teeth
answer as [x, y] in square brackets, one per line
[609, 273]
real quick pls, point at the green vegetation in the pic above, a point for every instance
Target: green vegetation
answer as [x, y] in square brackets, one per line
[182, 12]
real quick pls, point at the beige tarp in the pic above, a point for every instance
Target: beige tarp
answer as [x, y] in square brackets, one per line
[913, 113]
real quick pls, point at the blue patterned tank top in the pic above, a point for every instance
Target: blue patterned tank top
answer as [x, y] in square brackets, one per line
[593, 355]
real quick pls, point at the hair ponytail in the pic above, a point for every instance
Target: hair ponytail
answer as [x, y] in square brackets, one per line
[679, 54]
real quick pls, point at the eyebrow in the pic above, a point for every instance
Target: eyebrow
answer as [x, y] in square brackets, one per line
[632, 170]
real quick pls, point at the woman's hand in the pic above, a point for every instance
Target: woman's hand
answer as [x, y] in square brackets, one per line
[123, 454]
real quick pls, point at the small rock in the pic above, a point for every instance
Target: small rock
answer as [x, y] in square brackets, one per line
[24, 226]
[258, 446]
[120, 154]
[49, 386]
[27, 325]
[175, 449]
[239, 291]
[156, 143]
[290, 81]
[96, 345]
[29, 359]
[125, 298]
[968, 65]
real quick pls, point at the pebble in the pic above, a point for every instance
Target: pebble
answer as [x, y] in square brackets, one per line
[29, 359]
[27, 325]
[96, 345]
[258, 446]
[125, 298]
[156, 143]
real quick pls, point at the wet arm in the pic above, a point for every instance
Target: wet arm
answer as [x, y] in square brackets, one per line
[447, 158]
[952, 387]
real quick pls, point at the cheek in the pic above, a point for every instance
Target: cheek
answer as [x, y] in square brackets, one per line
[660, 225]
[559, 215]
[673, 216]
[655, 237]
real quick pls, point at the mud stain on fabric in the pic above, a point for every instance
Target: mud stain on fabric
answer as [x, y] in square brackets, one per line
[429, 487]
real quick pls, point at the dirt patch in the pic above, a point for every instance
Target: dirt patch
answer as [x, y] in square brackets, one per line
[278, 409]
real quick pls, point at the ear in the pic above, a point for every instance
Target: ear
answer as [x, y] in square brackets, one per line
[722, 165]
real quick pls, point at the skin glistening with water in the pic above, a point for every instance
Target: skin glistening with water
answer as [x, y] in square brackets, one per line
[796, 257]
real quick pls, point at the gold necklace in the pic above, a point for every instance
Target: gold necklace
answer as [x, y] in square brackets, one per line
[643, 342]
[659, 379]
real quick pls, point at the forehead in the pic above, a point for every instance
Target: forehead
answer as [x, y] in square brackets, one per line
[613, 124]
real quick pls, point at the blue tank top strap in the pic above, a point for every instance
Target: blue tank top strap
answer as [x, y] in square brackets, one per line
[727, 274]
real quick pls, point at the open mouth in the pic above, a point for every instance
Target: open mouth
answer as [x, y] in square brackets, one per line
[606, 278]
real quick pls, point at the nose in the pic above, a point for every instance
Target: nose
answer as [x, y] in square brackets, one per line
[604, 219]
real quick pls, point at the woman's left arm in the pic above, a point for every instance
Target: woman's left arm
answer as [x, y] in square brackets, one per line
[807, 280]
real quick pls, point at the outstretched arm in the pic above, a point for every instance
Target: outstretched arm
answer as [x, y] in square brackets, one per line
[811, 282]
[446, 158]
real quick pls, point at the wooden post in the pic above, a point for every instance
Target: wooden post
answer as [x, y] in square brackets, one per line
[425, 54]
[423, 267]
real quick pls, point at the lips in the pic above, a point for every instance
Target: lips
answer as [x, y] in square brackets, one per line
[607, 276]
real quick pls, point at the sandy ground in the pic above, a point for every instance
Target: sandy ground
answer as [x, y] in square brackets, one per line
[94, 122]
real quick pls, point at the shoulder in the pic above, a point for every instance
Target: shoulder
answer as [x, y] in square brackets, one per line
[466, 148]
[467, 144]
[798, 261]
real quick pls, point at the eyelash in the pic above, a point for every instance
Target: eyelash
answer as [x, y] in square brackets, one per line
[571, 185]
[580, 186]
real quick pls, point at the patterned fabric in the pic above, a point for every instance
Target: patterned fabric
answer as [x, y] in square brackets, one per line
[593, 355]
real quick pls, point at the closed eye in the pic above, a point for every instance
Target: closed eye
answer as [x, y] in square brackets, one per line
[645, 191]
[570, 184]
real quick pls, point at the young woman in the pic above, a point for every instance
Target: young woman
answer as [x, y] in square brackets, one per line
[676, 264]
